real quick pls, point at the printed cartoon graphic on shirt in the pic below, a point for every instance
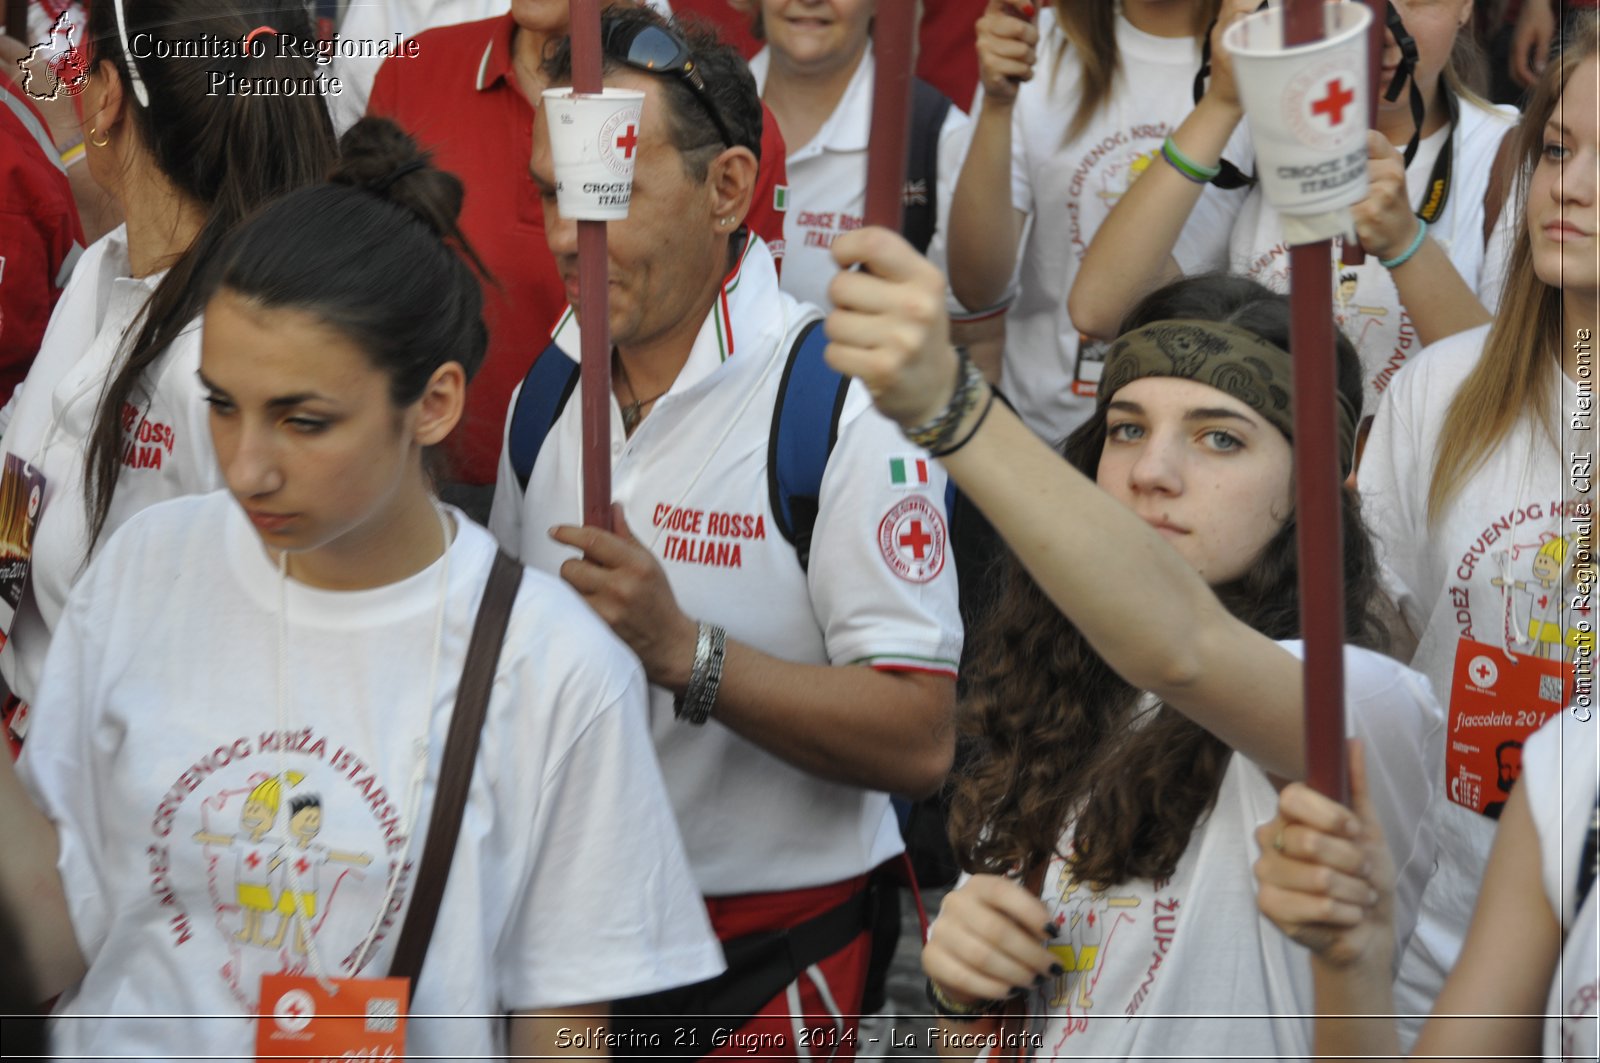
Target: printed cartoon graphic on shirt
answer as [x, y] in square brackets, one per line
[1089, 922]
[294, 842]
[1538, 624]
[1366, 306]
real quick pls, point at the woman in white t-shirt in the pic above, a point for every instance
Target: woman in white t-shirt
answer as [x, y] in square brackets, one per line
[110, 419]
[1526, 983]
[1431, 267]
[1477, 482]
[1129, 736]
[245, 707]
[1070, 113]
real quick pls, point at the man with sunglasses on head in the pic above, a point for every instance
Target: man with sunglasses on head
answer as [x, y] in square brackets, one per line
[792, 689]
[468, 93]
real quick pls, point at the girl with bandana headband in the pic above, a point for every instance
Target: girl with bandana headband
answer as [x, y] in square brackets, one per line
[1136, 699]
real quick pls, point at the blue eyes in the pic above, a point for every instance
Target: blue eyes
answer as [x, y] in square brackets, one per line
[1216, 439]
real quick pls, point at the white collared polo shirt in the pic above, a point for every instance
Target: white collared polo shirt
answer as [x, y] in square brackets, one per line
[880, 589]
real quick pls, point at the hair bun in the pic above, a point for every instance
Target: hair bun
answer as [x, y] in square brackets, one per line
[379, 157]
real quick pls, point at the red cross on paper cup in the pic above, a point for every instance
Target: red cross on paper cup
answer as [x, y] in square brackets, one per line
[628, 141]
[1334, 103]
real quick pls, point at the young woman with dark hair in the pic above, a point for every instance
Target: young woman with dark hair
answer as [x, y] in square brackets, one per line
[259, 815]
[1138, 689]
[110, 415]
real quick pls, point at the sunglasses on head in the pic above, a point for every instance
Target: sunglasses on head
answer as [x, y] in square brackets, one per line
[656, 50]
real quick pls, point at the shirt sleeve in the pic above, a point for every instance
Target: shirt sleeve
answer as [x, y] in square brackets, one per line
[1393, 480]
[505, 512]
[609, 908]
[58, 763]
[882, 575]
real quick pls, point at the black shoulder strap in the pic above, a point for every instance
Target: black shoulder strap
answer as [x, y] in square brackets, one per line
[1589, 862]
[810, 394]
[455, 770]
[920, 212]
[545, 390]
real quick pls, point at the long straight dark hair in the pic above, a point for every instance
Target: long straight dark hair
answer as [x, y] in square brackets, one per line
[231, 154]
[1049, 725]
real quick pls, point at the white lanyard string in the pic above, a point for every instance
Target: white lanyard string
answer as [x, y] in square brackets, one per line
[419, 769]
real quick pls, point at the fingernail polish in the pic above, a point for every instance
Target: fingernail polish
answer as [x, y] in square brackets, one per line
[1057, 969]
[1051, 930]
[1038, 980]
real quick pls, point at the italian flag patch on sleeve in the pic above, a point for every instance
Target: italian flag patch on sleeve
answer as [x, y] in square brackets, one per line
[780, 198]
[908, 472]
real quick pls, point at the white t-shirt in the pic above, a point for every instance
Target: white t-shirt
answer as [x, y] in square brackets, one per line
[166, 453]
[692, 481]
[1366, 303]
[161, 723]
[1188, 968]
[1070, 187]
[828, 183]
[1561, 770]
[1443, 576]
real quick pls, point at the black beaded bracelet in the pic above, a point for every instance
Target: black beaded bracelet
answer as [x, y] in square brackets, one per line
[935, 432]
[964, 440]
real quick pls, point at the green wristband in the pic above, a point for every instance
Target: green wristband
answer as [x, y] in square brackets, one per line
[1195, 172]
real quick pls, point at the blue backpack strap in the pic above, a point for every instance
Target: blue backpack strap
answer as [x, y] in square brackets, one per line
[811, 394]
[545, 391]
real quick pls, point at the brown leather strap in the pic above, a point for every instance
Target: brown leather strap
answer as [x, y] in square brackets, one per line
[1013, 1041]
[455, 770]
[1500, 173]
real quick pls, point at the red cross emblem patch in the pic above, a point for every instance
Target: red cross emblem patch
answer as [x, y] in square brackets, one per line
[913, 540]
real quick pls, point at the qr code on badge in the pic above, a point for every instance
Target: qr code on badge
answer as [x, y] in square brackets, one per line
[1550, 688]
[382, 1015]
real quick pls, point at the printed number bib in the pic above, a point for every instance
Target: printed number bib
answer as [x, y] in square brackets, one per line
[1496, 702]
[21, 500]
[300, 1023]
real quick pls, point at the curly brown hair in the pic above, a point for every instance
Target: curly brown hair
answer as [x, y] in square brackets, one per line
[1054, 736]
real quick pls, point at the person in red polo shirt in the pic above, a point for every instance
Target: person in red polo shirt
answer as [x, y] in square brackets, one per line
[39, 234]
[468, 95]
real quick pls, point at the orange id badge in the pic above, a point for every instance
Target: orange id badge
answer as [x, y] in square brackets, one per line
[301, 1023]
[21, 498]
[1496, 702]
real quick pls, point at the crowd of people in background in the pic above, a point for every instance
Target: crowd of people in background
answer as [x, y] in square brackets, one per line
[988, 523]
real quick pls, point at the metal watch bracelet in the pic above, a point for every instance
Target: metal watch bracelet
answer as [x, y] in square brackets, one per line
[705, 675]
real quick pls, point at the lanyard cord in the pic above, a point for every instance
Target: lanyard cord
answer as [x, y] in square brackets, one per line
[419, 771]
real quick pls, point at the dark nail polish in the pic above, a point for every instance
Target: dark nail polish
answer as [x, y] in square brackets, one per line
[1051, 930]
[1038, 981]
[1057, 969]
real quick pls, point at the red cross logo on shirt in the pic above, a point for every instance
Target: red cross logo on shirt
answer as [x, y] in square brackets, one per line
[1334, 103]
[917, 539]
[302, 865]
[253, 860]
[627, 142]
[1544, 601]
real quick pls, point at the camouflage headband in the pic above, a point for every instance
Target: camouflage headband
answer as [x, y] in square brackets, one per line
[1226, 357]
